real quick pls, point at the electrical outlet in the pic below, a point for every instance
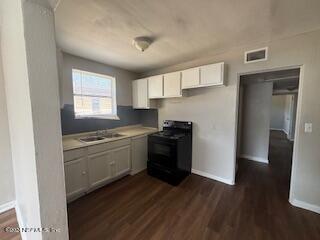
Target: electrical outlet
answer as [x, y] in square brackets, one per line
[308, 127]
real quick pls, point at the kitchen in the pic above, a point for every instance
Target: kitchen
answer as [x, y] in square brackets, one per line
[91, 161]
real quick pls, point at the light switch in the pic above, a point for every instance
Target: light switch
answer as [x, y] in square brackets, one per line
[308, 127]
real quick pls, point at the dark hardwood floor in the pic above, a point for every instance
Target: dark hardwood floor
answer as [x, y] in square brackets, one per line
[141, 207]
[8, 219]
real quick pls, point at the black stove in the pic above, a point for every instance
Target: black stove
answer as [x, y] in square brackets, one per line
[170, 152]
[169, 134]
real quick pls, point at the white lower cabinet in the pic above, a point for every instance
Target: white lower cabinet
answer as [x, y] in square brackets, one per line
[122, 160]
[76, 177]
[139, 156]
[98, 165]
[100, 168]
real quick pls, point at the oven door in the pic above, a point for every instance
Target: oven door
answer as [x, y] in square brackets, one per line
[162, 151]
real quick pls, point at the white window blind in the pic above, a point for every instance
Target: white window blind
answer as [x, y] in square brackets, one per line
[94, 95]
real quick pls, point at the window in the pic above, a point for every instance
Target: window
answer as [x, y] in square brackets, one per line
[94, 95]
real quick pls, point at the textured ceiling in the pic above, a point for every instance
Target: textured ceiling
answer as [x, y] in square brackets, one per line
[102, 30]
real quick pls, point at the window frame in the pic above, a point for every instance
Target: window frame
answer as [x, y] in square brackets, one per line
[114, 114]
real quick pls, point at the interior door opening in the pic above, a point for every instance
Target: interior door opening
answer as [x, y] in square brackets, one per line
[266, 128]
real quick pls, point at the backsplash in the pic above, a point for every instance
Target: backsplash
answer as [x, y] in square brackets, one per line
[127, 115]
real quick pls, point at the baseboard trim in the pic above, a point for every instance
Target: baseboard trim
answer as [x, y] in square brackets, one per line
[277, 129]
[20, 222]
[7, 206]
[304, 205]
[211, 176]
[253, 158]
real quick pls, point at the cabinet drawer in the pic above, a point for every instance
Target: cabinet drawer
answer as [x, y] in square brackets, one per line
[74, 154]
[108, 146]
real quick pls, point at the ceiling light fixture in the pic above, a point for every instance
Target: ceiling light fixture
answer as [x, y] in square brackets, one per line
[141, 43]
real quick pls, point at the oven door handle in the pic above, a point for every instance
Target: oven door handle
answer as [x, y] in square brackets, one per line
[163, 142]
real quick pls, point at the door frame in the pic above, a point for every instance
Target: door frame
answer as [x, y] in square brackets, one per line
[297, 122]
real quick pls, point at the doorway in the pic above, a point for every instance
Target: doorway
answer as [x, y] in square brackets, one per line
[266, 126]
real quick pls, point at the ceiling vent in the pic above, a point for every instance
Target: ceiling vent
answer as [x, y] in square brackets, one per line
[256, 55]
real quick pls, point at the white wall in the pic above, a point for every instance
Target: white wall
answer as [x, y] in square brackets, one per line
[123, 77]
[277, 112]
[283, 114]
[255, 128]
[6, 170]
[43, 75]
[214, 111]
[19, 113]
[287, 114]
[31, 84]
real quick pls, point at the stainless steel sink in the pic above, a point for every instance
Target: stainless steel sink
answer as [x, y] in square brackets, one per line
[99, 138]
[91, 138]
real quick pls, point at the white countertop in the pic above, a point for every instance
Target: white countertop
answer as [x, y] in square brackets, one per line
[72, 141]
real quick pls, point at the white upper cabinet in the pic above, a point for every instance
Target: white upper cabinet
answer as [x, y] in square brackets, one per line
[140, 98]
[191, 78]
[172, 85]
[155, 86]
[212, 74]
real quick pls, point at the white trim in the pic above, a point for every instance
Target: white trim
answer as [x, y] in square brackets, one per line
[113, 115]
[98, 116]
[21, 223]
[296, 133]
[211, 176]
[253, 158]
[277, 129]
[297, 123]
[256, 50]
[304, 205]
[7, 206]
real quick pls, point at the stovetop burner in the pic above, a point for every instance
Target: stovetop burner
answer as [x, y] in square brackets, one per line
[169, 134]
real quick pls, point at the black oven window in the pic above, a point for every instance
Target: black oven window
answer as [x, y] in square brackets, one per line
[161, 149]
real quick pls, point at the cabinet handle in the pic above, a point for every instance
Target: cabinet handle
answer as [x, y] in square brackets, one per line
[84, 173]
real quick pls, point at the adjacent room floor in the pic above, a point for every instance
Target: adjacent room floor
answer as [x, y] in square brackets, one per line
[9, 219]
[141, 207]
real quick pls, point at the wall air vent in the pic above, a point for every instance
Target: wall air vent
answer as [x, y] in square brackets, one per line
[256, 55]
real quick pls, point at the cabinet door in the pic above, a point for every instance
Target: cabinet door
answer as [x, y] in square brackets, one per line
[100, 168]
[140, 97]
[172, 85]
[76, 177]
[155, 85]
[212, 74]
[190, 78]
[121, 157]
[139, 149]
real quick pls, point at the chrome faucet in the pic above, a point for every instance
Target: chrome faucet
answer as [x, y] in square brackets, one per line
[102, 132]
